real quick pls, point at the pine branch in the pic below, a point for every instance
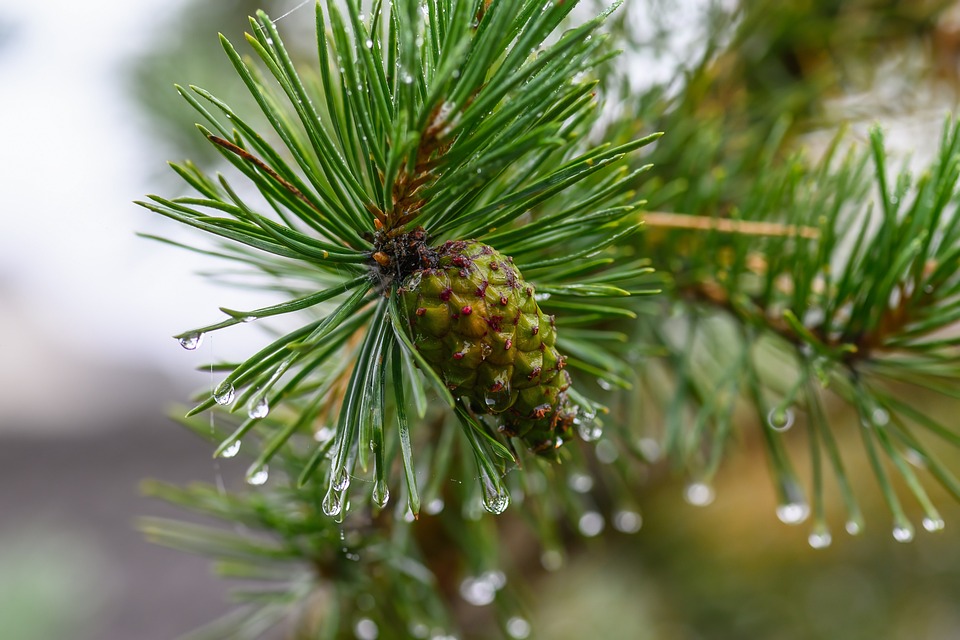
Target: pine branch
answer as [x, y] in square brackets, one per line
[855, 307]
[432, 144]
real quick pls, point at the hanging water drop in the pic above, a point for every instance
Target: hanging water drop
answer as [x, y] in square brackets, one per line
[323, 434]
[699, 494]
[258, 476]
[793, 512]
[551, 560]
[606, 451]
[499, 397]
[933, 524]
[495, 577]
[820, 539]
[366, 629]
[381, 494]
[903, 533]
[590, 524]
[340, 480]
[482, 590]
[332, 503]
[580, 482]
[496, 498]
[588, 427]
[369, 43]
[853, 527]
[232, 450]
[259, 408]
[518, 628]
[478, 591]
[435, 506]
[649, 449]
[626, 521]
[192, 341]
[224, 394]
[880, 417]
[781, 419]
[606, 385]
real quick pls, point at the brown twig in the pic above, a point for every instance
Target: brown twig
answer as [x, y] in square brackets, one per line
[667, 220]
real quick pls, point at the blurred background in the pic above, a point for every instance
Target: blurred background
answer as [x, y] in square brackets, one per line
[88, 371]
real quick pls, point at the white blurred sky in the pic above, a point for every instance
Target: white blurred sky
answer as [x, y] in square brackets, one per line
[80, 294]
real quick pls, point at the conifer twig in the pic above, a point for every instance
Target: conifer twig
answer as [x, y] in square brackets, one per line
[670, 220]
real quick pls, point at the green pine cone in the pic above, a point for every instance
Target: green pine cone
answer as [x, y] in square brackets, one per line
[477, 323]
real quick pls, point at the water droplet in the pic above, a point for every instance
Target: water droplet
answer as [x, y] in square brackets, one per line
[588, 427]
[224, 394]
[496, 498]
[793, 512]
[649, 449]
[381, 494]
[903, 533]
[699, 494]
[435, 506]
[580, 482]
[366, 629]
[626, 521]
[478, 591]
[408, 516]
[269, 40]
[323, 434]
[405, 77]
[419, 630]
[606, 451]
[820, 539]
[332, 503]
[551, 560]
[248, 318]
[880, 417]
[933, 524]
[497, 578]
[853, 527]
[192, 341]
[541, 297]
[232, 450]
[604, 384]
[258, 476]
[590, 524]
[498, 400]
[340, 480]
[781, 419]
[518, 627]
[259, 408]
[369, 44]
